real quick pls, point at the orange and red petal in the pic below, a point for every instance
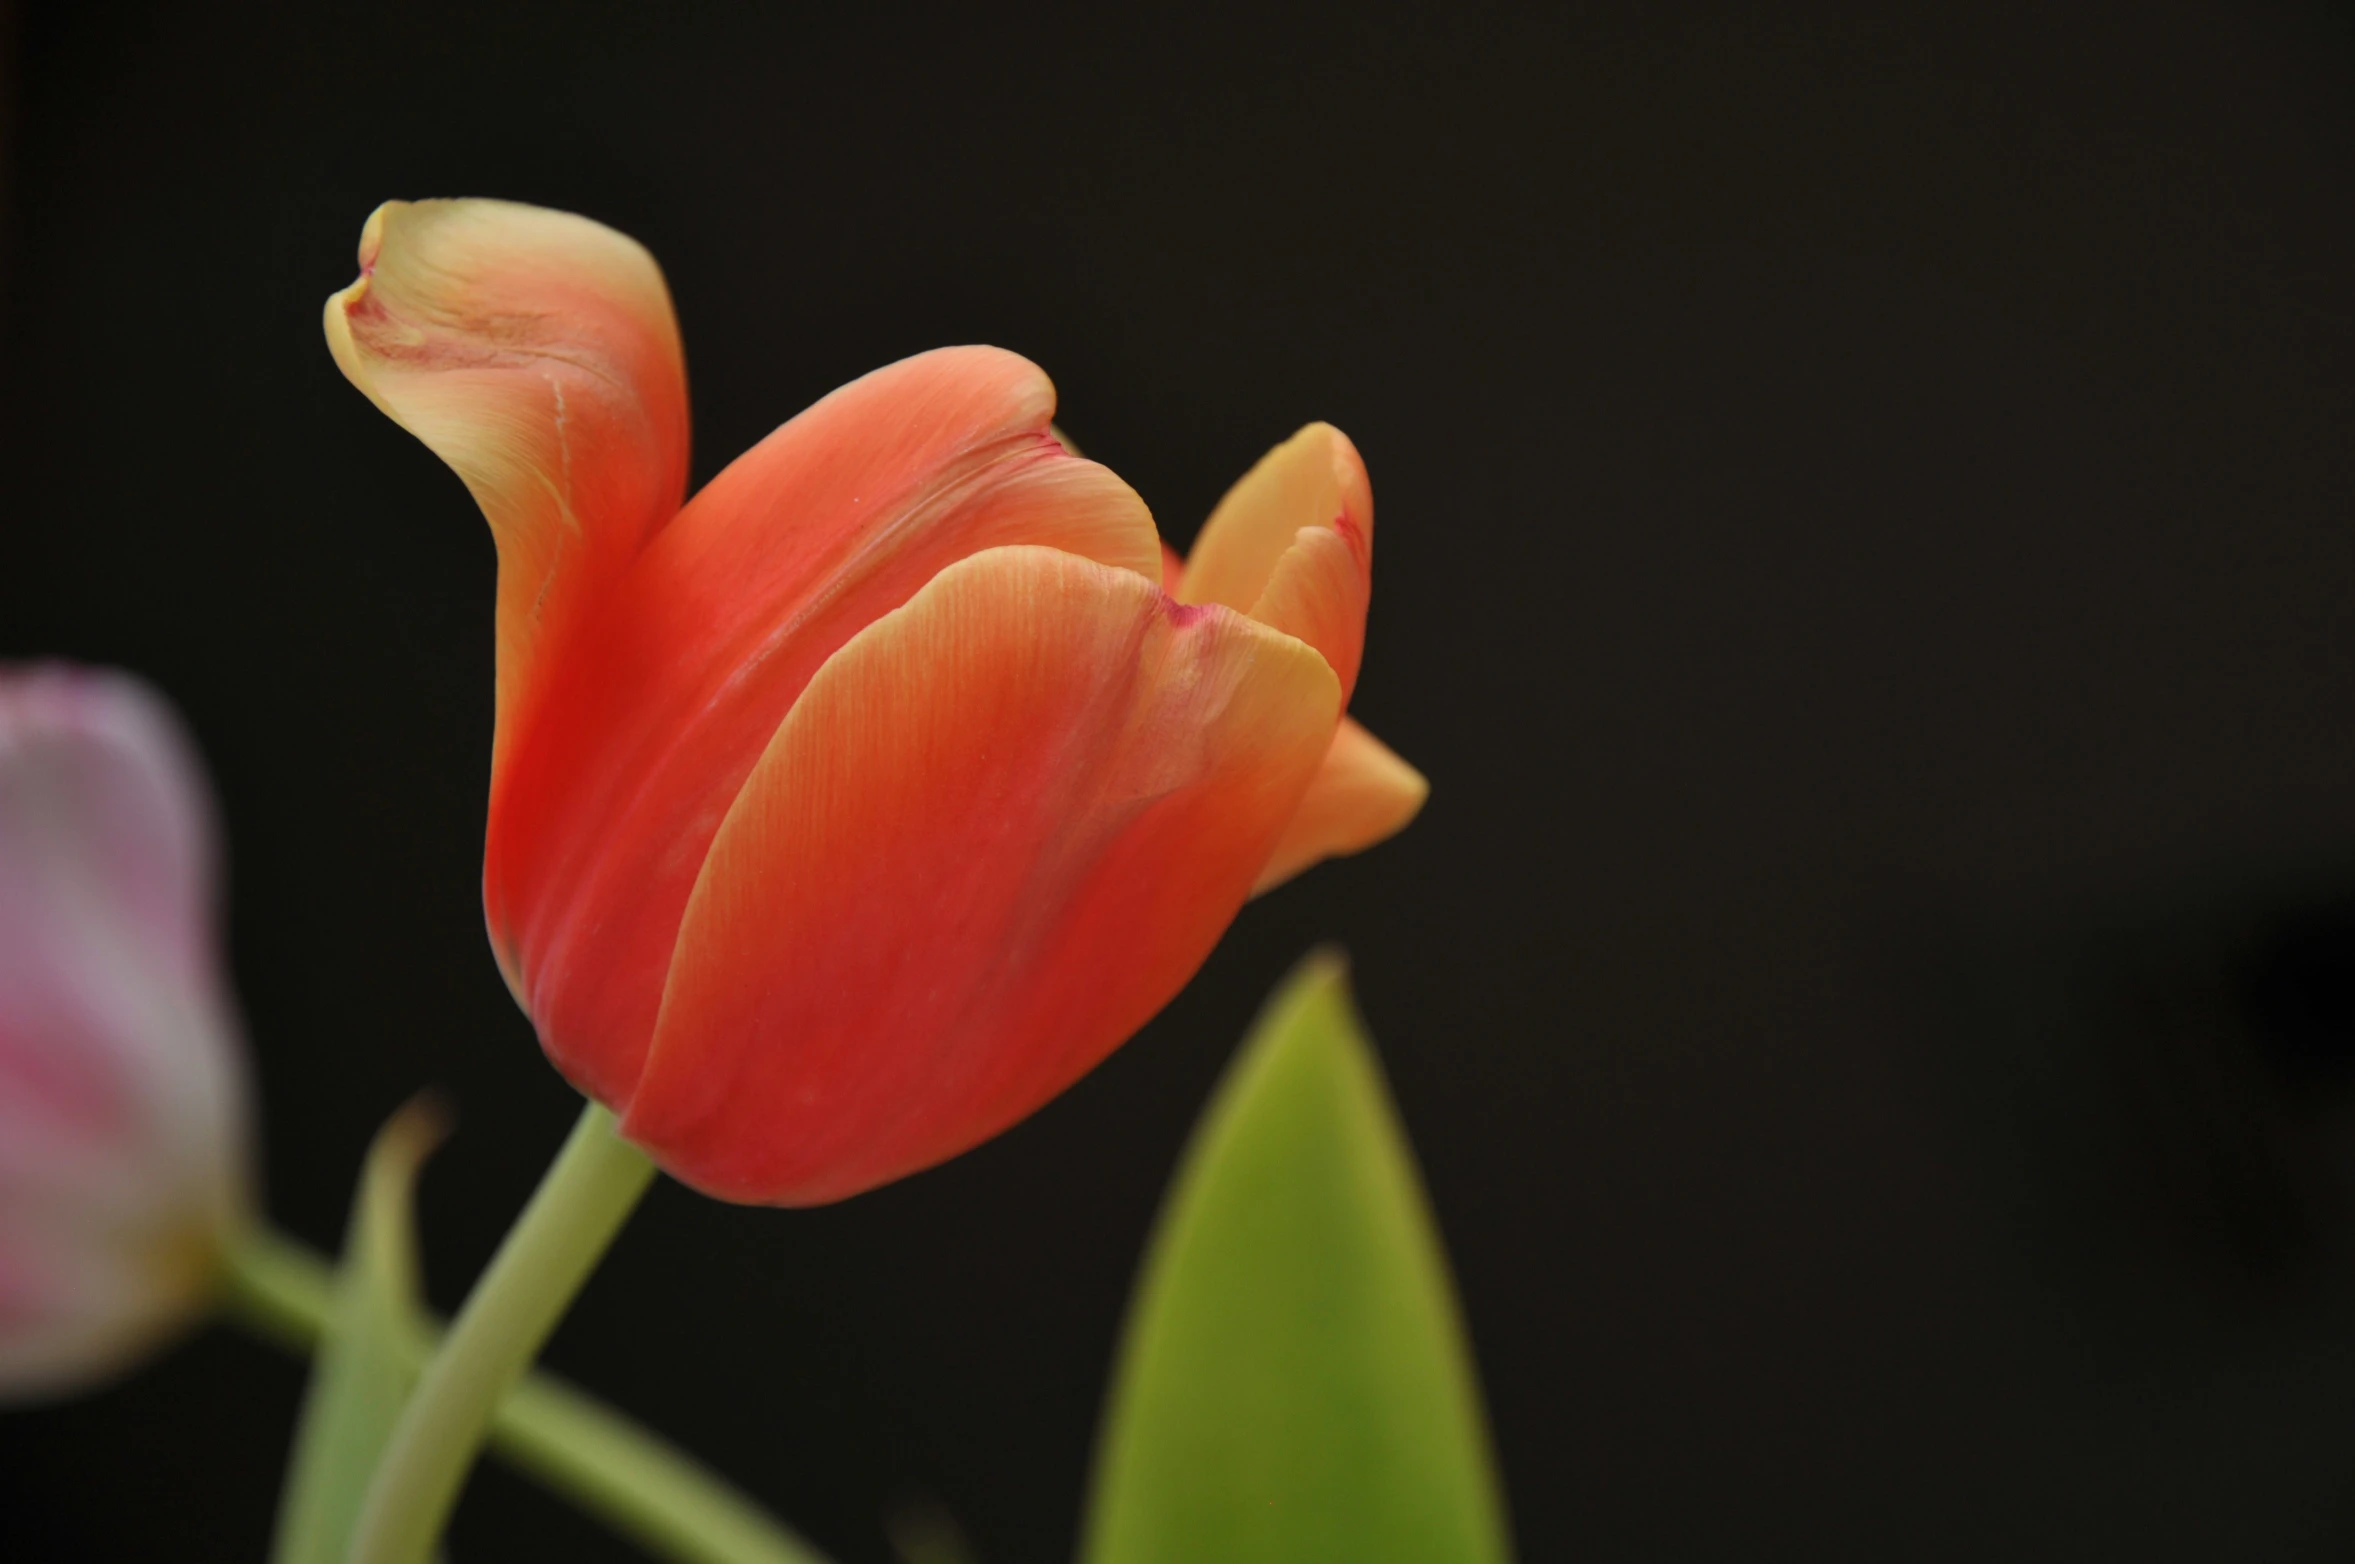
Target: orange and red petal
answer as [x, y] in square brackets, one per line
[601, 817]
[1362, 794]
[536, 353]
[999, 830]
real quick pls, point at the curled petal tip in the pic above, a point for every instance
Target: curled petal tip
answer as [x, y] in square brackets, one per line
[372, 233]
[1364, 793]
[536, 353]
[353, 297]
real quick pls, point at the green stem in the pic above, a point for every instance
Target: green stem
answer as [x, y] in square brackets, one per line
[612, 1468]
[580, 1206]
[279, 1289]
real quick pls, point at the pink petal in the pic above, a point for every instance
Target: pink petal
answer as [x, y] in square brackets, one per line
[122, 1102]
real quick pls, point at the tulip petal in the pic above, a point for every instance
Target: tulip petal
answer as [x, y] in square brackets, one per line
[601, 815]
[1291, 544]
[536, 353]
[73, 1314]
[999, 830]
[1319, 594]
[122, 1107]
[1362, 794]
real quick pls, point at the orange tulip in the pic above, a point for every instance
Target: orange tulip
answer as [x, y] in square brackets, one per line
[844, 814]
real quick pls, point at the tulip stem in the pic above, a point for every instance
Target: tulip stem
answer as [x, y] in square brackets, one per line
[586, 1195]
[619, 1471]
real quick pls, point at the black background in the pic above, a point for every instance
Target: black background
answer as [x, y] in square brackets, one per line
[1866, 557]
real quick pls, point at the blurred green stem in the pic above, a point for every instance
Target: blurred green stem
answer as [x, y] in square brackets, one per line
[584, 1198]
[626, 1475]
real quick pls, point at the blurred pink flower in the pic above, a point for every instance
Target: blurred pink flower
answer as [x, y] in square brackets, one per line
[123, 1101]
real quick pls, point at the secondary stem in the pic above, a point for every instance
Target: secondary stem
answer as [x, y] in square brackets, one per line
[617, 1470]
[581, 1204]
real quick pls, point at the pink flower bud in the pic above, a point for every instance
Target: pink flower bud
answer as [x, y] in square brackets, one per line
[123, 1109]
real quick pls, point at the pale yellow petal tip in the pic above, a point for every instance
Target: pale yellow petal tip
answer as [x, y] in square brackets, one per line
[372, 233]
[1312, 480]
[1348, 466]
[1396, 791]
[1364, 795]
[340, 304]
[1350, 478]
[1412, 789]
[371, 245]
[339, 333]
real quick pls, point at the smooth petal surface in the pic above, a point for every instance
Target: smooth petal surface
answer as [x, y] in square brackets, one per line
[1319, 593]
[122, 1105]
[1362, 794]
[997, 833]
[601, 815]
[1292, 544]
[536, 353]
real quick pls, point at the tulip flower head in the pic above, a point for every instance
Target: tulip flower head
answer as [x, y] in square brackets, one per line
[123, 1109]
[843, 814]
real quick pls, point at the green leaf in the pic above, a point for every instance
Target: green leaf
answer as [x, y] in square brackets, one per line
[376, 1338]
[1295, 1384]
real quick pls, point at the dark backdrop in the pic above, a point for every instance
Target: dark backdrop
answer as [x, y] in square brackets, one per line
[1866, 560]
